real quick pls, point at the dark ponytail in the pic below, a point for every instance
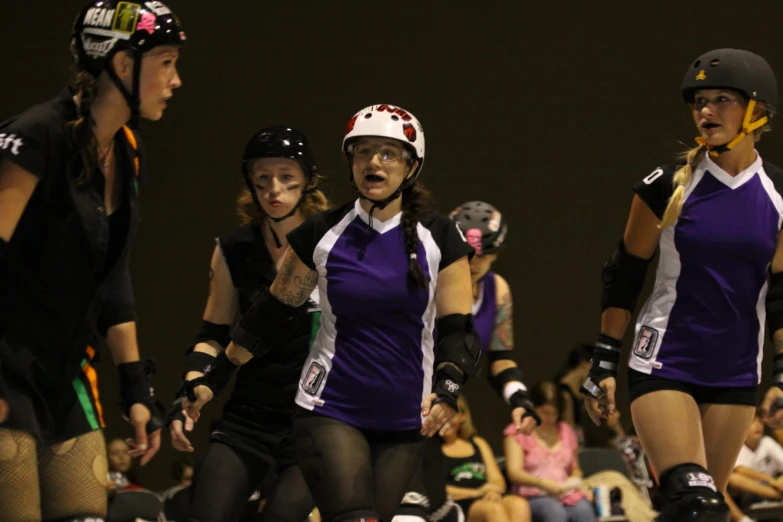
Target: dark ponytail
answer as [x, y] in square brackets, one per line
[417, 205]
[83, 127]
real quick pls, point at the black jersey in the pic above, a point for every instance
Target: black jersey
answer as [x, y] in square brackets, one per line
[64, 274]
[266, 386]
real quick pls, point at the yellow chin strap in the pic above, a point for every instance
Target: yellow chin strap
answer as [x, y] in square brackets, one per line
[747, 128]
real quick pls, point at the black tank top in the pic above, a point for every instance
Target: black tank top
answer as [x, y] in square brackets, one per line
[466, 472]
[266, 386]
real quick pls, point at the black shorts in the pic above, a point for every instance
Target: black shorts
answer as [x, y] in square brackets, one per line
[271, 440]
[372, 436]
[641, 383]
[61, 411]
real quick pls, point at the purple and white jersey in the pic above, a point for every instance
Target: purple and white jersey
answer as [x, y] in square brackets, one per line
[704, 321]
[371, 363]
[485, 310]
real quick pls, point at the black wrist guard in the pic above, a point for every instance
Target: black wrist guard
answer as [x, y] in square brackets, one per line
[176, 406]
[198, 362]
[521, 399]
[216, 377]
[135, 388]
[448, 382]
[606, 358]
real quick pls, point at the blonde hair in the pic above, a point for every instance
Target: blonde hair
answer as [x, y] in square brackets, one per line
[466, 430]
[248, 211]
[684, 175]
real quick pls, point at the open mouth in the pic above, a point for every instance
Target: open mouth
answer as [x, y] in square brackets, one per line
[374, 178]
[709, 126]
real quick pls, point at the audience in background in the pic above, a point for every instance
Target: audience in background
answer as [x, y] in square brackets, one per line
[473, 478]
[757, 473]
[543, 466]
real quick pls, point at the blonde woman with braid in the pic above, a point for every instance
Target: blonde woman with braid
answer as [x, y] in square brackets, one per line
[696, 357]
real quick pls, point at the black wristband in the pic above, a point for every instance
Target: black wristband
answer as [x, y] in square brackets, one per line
[521, 399]
[198, 362]
[135, 384]
[135, 388]
[448, 383]
[777, 370]
[606, 358]
[605, 363]
[216, 376]
[176, 407]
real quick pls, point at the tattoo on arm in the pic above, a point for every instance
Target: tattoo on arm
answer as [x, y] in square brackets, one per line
[292, 289]
[503, 337]
[777, 338]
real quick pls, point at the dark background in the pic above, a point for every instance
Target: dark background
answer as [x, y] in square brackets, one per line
[548, 110]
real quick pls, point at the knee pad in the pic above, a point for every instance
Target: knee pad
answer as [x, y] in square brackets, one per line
[414, 508]
[361, 515]
[689, 493]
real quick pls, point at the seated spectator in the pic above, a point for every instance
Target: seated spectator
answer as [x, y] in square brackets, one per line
[473, 478]
[543, 466]
[121, 476]
[757, 473]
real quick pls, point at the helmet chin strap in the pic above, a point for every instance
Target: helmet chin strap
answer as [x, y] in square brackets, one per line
[747, 128]
[383, 203]
[291, 213]
[131, 97]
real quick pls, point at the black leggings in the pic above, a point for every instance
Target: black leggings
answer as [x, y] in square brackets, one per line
[430, 477]
[352, 469]
[225, 479]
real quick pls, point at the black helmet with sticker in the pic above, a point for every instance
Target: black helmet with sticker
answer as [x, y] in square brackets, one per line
[738, 70]
[734, 69]
[482, 225]
[105, 27]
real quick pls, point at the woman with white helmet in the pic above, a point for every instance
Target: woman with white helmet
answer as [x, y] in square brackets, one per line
[387, 269]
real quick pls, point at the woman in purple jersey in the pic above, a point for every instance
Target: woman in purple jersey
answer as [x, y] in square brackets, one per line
[386, 268]
[716, 217]
[485, 229]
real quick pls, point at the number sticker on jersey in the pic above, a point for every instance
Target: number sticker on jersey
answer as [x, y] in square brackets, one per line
[645, 345]
[657, 173]
[314, 378]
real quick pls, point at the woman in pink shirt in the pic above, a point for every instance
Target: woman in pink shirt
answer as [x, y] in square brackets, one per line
[543, 466]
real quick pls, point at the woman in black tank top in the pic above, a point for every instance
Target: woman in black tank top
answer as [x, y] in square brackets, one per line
[473, 478]
[253, 438]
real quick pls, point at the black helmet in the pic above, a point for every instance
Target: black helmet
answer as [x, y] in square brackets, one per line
[739, 70]
[483, 226]
[105, 27]
[280, 142]
[734, 69]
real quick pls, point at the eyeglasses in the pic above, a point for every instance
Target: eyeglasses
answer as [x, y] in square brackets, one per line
[720, 103]
[387, 153]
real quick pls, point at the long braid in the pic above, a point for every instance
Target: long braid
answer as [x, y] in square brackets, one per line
[83, 127]
[681, 179]
[416, 206]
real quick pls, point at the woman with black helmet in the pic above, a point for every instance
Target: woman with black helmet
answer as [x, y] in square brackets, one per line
[485, 229]
[68, 213]
[386, 267]
[254, 435]
[696, 358]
